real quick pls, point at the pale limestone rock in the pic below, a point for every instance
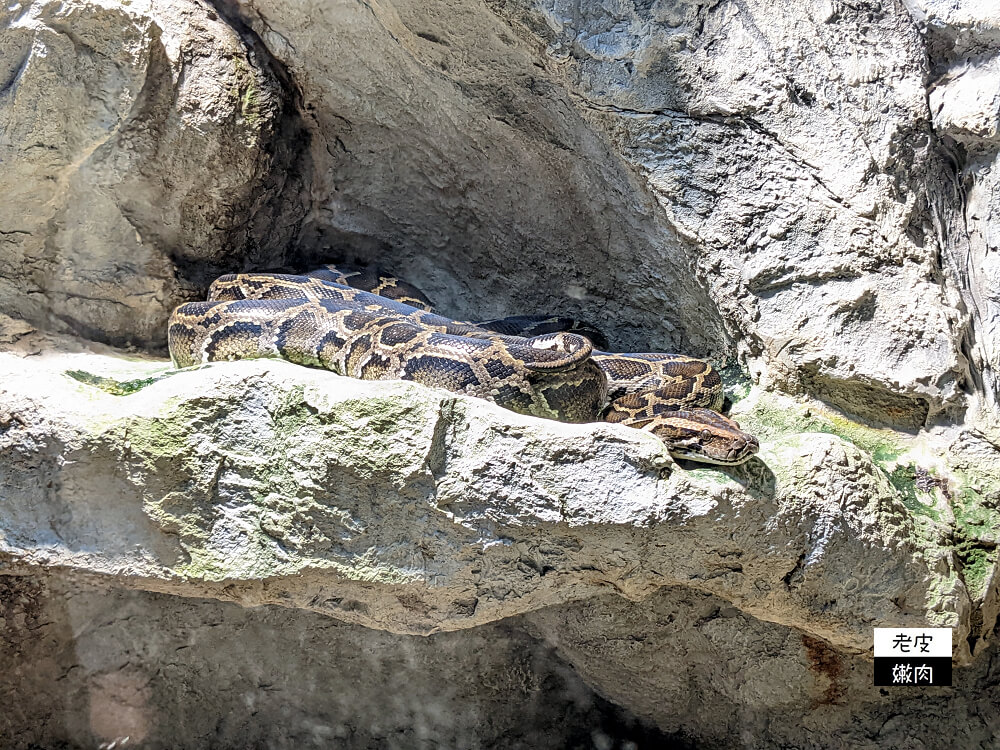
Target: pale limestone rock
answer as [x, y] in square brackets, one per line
[734, 178]
[790, 143]
[786, 148]
[966, 102]
[737, 178]
[127, 150]
[414, 510]
[446, 151]
[957, 26]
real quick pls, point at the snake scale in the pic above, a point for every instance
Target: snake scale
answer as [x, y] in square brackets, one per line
[367, 325]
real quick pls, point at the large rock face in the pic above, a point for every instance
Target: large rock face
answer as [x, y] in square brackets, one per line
[143, 670]
[245, 481]
[415, 511]
[963, 42]
[786, 154]
[792, 146]
[474, 175]
[700, 668]
[131, 153]
[807, 193]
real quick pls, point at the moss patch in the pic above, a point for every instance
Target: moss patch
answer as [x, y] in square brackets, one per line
[246, 94]
[909, 481]
[952, 494]
[772, 417]
[261, 483]
[977, 530]
[977, 566]
[117, 387]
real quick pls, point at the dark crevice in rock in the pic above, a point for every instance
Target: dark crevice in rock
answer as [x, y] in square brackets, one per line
[952, 46]
[738, 121]
[869, 402]
[948, 211]
[16, 72]
[492, 687]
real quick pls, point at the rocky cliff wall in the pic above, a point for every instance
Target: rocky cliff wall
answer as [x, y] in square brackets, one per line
[803, 193]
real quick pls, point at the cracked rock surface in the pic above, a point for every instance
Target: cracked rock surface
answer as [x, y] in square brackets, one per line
[138, 137]
[805, 194]
[415, 511]
[247, 481]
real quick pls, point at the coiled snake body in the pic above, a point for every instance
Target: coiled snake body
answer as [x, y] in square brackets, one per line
[544, 366]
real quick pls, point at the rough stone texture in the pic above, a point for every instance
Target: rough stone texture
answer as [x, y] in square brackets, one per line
[718, 178]
[101, 665]
[137, 138]
[792, 144]
[248, 481]
[809, 188]
[153, 671]
[447, 152]
[410, 510]
[787, 149]
[694, 665]
[964, 49]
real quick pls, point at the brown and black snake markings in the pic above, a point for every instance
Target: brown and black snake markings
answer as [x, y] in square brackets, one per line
[367, 325]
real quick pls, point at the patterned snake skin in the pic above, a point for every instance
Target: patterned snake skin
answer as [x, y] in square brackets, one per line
[366, 325]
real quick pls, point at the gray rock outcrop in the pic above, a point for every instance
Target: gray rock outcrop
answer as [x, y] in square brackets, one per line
[246, 481]
[804, 194]
[146, 147]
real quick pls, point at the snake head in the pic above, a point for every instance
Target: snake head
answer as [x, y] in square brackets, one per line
[702, 435]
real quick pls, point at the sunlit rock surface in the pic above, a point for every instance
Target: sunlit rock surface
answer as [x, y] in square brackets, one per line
[805, 194]
[265, 482]
[137, 137]
[413, 511]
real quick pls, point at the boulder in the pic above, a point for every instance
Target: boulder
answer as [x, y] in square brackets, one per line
[413, 510]
[146, 147]
[805, 194]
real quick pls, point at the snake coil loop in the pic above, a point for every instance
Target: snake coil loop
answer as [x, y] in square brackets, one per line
[367, 325]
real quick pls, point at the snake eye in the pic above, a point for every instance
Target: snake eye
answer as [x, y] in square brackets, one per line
[706, 433]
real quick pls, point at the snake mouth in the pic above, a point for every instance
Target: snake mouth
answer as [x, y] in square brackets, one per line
[701, 435]
[737, 451]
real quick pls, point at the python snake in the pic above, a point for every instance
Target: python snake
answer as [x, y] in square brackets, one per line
[367, 325]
